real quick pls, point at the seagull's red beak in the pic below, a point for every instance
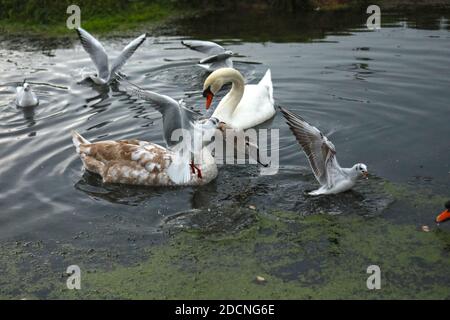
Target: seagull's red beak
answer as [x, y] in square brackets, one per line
[209, 97]
[445, 215]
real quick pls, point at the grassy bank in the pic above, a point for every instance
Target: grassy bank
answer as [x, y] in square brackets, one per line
[32, 18]
[48, 18]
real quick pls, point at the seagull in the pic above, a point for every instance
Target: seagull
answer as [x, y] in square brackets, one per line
[177, 116]
[321, 154]
[105, 73]
[445, 215]
[217, 58]
[25, 97]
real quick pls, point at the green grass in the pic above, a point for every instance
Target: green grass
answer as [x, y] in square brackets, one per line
[48, 17]
[138, 15]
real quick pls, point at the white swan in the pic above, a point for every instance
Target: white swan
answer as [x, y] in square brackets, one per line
[25, 97]
[245, 106]
[105, 73]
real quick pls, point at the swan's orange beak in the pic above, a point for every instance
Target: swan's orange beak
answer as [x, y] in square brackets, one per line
[445, 215]
[209, 97]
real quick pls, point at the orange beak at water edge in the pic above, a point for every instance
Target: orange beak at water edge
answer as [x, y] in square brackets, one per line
[445, 215]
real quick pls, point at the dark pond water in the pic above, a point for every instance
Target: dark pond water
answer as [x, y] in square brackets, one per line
[382, 97]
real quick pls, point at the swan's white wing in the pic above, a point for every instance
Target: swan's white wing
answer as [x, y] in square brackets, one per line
[206, 47]
[126, 53]
[266, 82]
[96, 51]
[179, 171]
[319, 150]
[200, 134]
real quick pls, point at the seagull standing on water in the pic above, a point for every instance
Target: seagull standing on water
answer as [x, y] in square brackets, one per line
[25, 97]
[105, 73]
[321, 154]
[217, 58]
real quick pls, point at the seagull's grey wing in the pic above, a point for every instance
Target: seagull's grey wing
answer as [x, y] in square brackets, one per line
[96, 51]
[175, 116]
[216, 58]
[319, 150]
[126, 53]
[206, 47]
[211, 67]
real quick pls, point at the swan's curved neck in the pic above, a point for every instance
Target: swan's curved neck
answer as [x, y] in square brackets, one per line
[229, 103]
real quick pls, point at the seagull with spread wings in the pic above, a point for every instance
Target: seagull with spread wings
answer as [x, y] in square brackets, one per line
[217, 57]
[176, 116]
[321, 154]
[105, 72]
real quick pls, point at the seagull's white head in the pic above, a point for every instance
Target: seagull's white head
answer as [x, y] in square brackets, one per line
[26, 87]
[361, 170]
[229, 52]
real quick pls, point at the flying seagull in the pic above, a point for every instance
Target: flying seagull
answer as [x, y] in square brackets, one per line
[106, 73]
[321, 154]
[217, 57]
